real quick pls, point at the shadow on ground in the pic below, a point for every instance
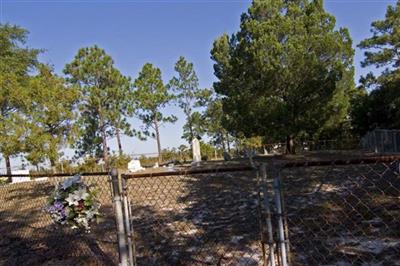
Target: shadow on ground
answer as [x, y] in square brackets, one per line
[28, 236]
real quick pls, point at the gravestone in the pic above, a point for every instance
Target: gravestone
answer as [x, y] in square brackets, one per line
[18, 179]
[196, 152]
[134, 166]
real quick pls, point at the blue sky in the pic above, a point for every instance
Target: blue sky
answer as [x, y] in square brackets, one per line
[156, 31]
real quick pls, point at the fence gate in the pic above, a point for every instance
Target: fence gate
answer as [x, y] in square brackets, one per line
[334, 212]
[199, 217]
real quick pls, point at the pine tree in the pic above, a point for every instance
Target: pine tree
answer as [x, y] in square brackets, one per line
[151, 96]
[287, 71]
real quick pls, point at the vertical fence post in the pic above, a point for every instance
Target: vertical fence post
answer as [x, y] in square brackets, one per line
[285, 219]
[263, 173]
[261, 218]
[127, 219]
[119, 217]
[281, 231]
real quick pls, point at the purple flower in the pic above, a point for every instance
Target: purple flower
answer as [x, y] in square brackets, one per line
[58, 205]
[63, 214]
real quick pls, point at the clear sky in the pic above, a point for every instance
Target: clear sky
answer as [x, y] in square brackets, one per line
[134, 32]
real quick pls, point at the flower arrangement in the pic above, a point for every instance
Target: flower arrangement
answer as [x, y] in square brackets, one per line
[73, 204]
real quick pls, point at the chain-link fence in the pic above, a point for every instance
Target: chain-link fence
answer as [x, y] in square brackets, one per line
[208, 217]
[382, 140]
[28, 235]
[336, 212]
[291, 213]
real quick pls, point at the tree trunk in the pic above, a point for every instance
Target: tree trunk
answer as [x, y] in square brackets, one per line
[290, 149]
[104, 141]
[223, 142]
[119, 142]
[158, 141]
[105, 148]
[191, 133]
[228, 144]
[53, 166]
[8, 167]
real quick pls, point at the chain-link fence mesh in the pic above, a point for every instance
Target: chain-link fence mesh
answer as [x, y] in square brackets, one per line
[202, 219]
[382, 140]
[343, 214]
[29, 236]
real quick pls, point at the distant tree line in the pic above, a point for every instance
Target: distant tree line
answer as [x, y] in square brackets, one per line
[286, 75]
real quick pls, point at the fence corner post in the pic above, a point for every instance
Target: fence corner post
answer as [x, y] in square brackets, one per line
[119, 218]
[280, 223]
[126, 205]
[268, 216]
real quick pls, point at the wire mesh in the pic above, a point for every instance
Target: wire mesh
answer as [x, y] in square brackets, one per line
[202, 219]
[29, 236]
[382, 140]
[343, 214]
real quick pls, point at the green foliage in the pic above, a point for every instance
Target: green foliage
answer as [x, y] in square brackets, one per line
[89, 164]
[213, 122]
[151, 96]
[51, 116]
[207, 151]
[64, 166]
[194, 126]
[287, 72]
[189, 96]
[381, 107]
[104, 103]
[3, 182]
[120, 161]
[16, 62]
[383, 47]
[253, 143]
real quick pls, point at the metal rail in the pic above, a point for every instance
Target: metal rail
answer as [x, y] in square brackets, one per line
[190, 171]
[362, 160]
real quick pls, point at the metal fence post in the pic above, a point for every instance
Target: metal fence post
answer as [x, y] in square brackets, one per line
[268, 221]
[281, 231]
[285, 220]
[128, 225]
[119, 217]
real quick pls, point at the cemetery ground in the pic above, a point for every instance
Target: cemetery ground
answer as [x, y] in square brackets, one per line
[336, 215]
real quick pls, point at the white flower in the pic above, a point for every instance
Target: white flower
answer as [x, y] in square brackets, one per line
[82, 193]
[74, 197]
[70, 181]
[71, 199]
[61, 209]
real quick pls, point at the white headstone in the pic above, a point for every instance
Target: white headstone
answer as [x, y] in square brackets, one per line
[18, 179]
[196, 151]
[134, 166]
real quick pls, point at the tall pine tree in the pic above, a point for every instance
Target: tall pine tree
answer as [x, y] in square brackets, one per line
[286, 73]
[16, 61]
[151, 97]
[104, 93]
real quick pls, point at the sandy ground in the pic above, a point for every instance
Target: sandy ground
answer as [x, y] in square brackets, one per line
[336, 215]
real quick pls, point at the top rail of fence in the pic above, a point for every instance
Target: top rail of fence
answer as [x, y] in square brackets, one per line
[56, 174]
[218, 169]
[361, 160]
[190, 171]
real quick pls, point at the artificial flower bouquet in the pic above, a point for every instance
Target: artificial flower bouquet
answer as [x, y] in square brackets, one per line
[73, 203]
